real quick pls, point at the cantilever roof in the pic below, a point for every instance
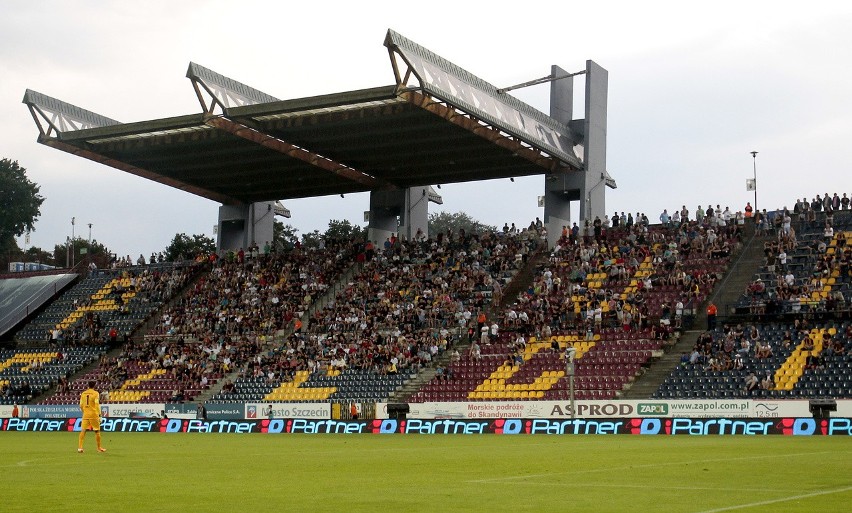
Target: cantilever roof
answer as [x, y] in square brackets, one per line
[395, 136]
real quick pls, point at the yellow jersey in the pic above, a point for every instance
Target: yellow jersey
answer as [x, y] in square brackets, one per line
[90, 403]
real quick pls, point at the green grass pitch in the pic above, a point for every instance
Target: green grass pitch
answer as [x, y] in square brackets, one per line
[42, 472]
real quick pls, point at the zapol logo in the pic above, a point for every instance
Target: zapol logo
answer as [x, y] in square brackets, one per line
[652, 409]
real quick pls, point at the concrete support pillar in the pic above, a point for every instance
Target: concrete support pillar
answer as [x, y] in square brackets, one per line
[592, 202]
[242, 225]
[587, 186]
[401, 213]
[557, 193]
[385, 209]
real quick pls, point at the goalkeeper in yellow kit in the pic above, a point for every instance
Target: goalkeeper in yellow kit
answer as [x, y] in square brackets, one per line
[90, 403]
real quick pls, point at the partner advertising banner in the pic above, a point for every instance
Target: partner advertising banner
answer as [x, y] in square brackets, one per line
[615, 426]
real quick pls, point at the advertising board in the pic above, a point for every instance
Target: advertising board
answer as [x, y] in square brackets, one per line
[615, 426]
[697, 408]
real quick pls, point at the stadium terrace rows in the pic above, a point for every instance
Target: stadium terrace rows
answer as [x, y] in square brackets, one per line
[461, 317]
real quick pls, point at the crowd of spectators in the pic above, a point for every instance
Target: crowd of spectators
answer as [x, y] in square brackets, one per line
[608, 274]
[730, 349]
[738, 350]
[20, 390]
[222, 324]
[440, 283]
[790, 332]
[189, 367]
[133, 287]
[409, 302]
[254, 296]
[807, 266]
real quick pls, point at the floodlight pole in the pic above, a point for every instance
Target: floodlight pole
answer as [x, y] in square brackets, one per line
[89, 250]
[569, 371]
[72, 242]
[754, 165]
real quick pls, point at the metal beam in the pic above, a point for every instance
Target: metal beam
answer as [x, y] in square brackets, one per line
[223, 91]
[488, 133]
[296, 152]
[465, 175]
[458, 87]
[61, 116]
[373, 95]
[537, 81]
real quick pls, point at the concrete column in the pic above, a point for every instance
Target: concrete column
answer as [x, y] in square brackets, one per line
[592, 202]
[242, 225]
[589, 185]
[559, 191]
[385, 209]
[399, 213]
[416, 213]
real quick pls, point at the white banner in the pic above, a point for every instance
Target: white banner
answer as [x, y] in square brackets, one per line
[617, 409]
[145, 410]
[288, 410]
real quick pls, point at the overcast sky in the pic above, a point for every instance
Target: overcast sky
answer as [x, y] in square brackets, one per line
[693, 88]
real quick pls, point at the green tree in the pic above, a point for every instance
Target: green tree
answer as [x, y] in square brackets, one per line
[284, 236]
[20, 204]
[340, 231]
[312, 239]
[185, 247]
[440, 222]
[83, 252]
[36, 254]
[344, 231]
[9, 252]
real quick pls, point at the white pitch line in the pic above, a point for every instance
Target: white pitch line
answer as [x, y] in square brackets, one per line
[645, 487]
[649, 465]
[782, 499]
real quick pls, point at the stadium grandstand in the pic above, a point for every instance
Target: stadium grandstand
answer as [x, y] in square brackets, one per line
[704, 304]
[788, 333]
[461, 317]
[76, 327]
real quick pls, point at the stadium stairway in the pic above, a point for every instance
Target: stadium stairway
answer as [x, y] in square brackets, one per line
[520, 281]
[522, 278]
[425, 376]
[139, 333]
[727, 291]
[282, 335]
[135, 336]
[330, 293]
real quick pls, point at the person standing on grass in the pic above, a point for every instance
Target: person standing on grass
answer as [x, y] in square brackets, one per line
[90, 403]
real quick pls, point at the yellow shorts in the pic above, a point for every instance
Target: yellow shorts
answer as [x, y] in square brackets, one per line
[91, 424]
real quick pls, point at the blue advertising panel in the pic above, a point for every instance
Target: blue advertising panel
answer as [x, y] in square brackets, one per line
[627, 426]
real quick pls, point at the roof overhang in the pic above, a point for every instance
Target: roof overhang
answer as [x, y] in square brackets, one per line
[248, 146]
